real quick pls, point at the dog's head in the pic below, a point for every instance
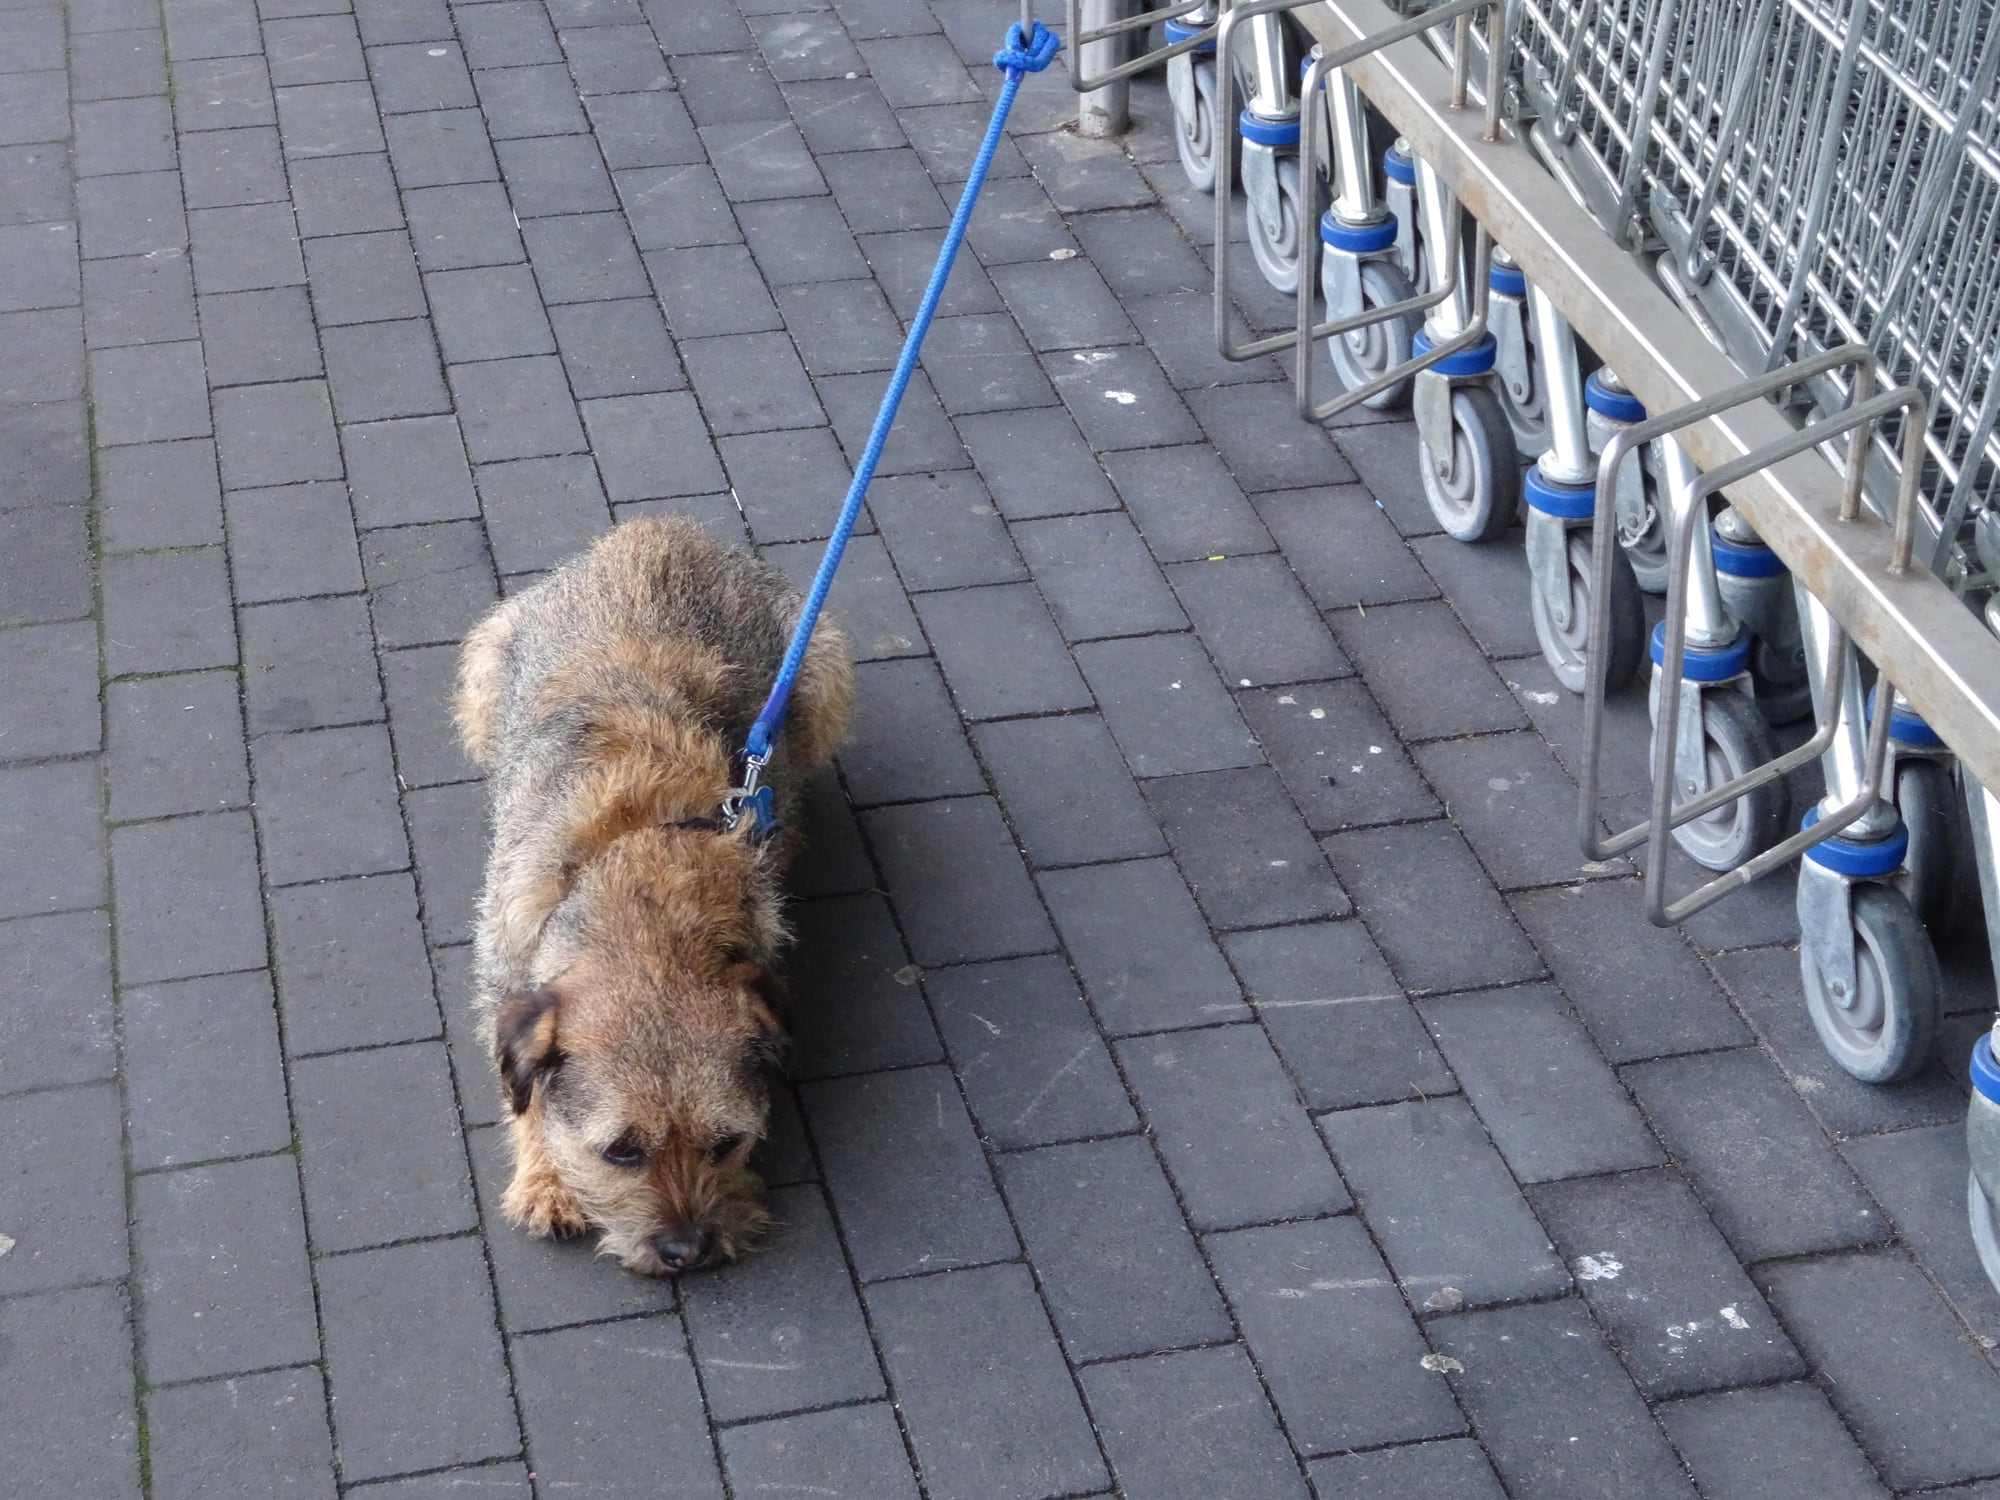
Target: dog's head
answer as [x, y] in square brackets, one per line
[652, 1091]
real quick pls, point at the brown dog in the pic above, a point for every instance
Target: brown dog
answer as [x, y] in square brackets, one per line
[625, 939]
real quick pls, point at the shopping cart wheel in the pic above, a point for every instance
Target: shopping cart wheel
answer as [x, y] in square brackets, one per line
[1645, 544]
[1735, 740]
[1198, 137]
[1565, 646]
[1276, 226]
[1944, 871]
[1985, 1231]
[1886, 1029]
[1367, 353]
[1784, 691]
[1483, 495]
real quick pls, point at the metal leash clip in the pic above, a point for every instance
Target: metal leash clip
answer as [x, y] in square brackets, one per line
[751, 798]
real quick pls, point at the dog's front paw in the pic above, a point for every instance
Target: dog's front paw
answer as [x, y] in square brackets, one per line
[540, 1204]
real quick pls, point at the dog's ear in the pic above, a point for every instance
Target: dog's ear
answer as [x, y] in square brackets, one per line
[525, 1031]
[767, 998]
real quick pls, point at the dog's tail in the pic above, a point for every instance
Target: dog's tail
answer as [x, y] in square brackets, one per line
[482, 684]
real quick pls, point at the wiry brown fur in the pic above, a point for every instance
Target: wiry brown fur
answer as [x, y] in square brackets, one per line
[623, 963]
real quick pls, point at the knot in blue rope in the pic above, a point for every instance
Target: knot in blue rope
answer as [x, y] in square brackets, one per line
[1029, 54]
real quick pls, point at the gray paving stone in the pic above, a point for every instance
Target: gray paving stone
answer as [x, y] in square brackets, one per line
[1179, 1426]
[78, 1419]
[555, 175]
[489, 312]
[62, 1196]
[731, 88]
[611, 59]
[139, 214]
[1765, 984]
[1552, 1105]
[652, 447]
[1141, 253]
[1097, 576]
[380, 1147]
[364, 278]
[1033, 1067]
[345, 194]
[1115, 1263]
[1230, 1127]
[585, 258]
[1165, 705]
[546, 1283]
[292, 541]
[211, 28]
[541, 511]
[1790, 1195]
[427, 584]
[1331, 1333]
[751, 382]
[37, 191]
[961, 1350]
[980, 363]
[386, 21]
[581, 1388]
[56, 809]
[243, 248]
[1336, 755]
[508, 35]
[856, 1005]
[1260, 438]
[153, 495]
[676, 207]
[833, 861]
[259, 337]
[327, 804]
[855, 1449]
[49, 691]
[1258, 623]
[907, 743]
[1063, 305]
[1910, 1387]
[269, 435]
[1426, 671]
[867, 598]
[43, 458]
[842, 114]
[789, 485]
[433, 150]
[38, 265]
[1066, 790]
[47, 355]
[383, 370]
[1459, 1222]
[782, 1330]
[448, 835]
[187, 897]
[942, 859]
[1508, 794]
[1643, 995]
[1403, 879]
[843, 326]
[33, 107]
[761, 160]
[540, 100]
[1335, 1015]
[409, 470]
[1384, 454]
[136, 299]
[1728, 1440]
[615, 348]
[149, 393]
[1919, 1176]
[805, 46]
[314, 49]
[176, 746]
[1664, 1284]
[414, 76]
[1120, 399]
[111, 65]
[710, 291]
[1248, 858]
[1014, 221]
[922, 441]
[1036, 464]
[1453, 1469]
[60, 1004]
[1343, 547]
[1140, 947]
[1521, 1363]
[912, 1191]
[414, 1318]
[119, 135]
[260, 1434]
[1488, 589]
[45, 564]
[204, 1078]
[943, 531]
[309, 664]
[1030, 673]
[903, 262]
[463, 224]
[338, 994]
[222, 1270]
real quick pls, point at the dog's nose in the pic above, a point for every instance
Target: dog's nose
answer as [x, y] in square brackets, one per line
[681, 1249]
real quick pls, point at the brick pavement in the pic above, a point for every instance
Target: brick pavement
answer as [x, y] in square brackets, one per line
[1218, 1075]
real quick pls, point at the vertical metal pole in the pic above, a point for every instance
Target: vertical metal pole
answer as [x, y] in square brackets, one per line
[1106, 111]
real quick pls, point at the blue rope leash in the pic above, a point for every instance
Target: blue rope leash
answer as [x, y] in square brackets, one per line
[1022, 54]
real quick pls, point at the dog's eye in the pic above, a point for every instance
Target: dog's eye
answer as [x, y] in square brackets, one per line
[724, 1147]
[624, 1152]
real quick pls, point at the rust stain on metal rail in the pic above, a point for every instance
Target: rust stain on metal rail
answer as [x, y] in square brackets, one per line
[1934, 648]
